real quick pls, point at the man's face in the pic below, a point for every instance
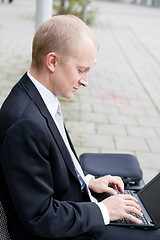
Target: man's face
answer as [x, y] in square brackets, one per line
[70, 75]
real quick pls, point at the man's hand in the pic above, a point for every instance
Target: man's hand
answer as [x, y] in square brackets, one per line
[118, 206]
[106, 184]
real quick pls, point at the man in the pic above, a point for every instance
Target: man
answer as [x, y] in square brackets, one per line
[43, 189]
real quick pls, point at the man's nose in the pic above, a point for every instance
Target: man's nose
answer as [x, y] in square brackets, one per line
[84, 80]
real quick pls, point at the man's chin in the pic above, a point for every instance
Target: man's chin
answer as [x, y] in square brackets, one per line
[68, 96]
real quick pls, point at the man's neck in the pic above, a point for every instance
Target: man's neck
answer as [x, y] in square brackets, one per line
[42, 77]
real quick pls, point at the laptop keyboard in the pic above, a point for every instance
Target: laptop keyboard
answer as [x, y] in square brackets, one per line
[127, 221]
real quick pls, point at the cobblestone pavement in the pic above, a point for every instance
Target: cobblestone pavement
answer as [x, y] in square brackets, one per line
[120, 109]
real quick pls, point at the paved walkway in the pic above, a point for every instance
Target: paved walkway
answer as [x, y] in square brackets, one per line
[120, 109]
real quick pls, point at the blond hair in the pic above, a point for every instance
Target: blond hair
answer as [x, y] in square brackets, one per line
[59, 34]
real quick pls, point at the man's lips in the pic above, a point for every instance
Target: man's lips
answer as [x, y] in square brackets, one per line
[76, 88]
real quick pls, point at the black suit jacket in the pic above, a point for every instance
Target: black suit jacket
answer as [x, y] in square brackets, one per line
[39, 186]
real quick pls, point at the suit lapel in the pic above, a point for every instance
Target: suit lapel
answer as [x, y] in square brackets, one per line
[71, 145]
[32, 91]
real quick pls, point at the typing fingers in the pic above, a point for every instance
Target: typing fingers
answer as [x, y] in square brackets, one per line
[120, 184]
[129, 197]
[133, 218]
[116, 182]
[132, 209]
[121, 206]
[133, 204]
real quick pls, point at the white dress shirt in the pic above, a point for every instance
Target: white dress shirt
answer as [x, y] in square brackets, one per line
[52, 103]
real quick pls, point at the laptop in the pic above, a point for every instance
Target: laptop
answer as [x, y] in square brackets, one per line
[149, 200]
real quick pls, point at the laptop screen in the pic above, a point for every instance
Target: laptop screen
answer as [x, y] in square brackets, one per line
[150, 196]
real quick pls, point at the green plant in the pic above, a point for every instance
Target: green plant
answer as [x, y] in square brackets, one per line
[75, 7]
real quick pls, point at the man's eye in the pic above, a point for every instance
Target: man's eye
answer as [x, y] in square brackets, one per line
[81, 71]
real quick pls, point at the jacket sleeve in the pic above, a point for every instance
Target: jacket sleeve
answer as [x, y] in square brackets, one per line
[24, 159]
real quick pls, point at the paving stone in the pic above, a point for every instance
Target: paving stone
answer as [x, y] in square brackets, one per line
[73, 106]
[149, 121]
[105, 108]
[95, 140]
[73, 115]
[151, 112]
[86, 107]
[122, 120]
[154, 144]
[111, 129]
[81, 150]
[142, 132]
[80, 127]
[131, 143]
[149, 174]
[93, 117]
[133, 111]
[158, 131]
[149, 160]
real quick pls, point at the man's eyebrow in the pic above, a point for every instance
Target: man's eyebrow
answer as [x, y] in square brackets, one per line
[84, 67]
[80, 66]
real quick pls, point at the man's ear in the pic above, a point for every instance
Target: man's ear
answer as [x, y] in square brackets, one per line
[51, 61]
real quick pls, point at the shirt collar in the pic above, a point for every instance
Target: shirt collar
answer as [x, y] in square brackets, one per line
[49, 98]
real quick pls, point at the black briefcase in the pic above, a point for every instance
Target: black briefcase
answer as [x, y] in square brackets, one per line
[116, 164]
